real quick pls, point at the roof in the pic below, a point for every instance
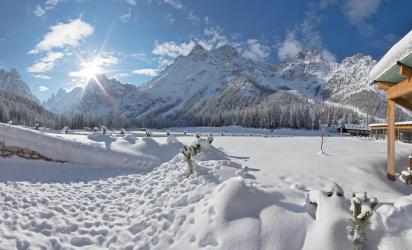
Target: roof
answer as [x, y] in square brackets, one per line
[404, 124]
[388, 68]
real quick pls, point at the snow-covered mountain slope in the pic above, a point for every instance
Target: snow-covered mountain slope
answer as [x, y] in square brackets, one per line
[223, 81]
[64, 101]
[11, 82]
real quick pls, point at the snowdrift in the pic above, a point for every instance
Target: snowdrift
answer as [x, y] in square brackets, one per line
[95, 149]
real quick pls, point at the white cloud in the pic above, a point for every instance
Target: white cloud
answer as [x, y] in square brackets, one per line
[43, 88]
[48, 5]
[64, 35]
[163, 62]
[175, 4]
[39, 11]
[329, 56]
[131, 2]
[43, 77]
[51, 3]
[105, 60]
[46, 63]
[169, 18]
[213, 38]
[146, 72]
[357, 11]
[256, 51]
[173, 49]
[126, 17]
[289, 47]
[305, 35]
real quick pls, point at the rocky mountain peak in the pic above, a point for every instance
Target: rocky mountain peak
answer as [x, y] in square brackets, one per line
[11, 81]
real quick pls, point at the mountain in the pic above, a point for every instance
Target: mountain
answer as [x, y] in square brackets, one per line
[220, 87]
[11, 82]
[63, 101]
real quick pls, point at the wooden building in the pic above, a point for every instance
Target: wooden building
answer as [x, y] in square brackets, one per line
[393, 74]
[403, 131]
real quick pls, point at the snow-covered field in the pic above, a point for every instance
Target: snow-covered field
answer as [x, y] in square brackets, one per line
[248, 192]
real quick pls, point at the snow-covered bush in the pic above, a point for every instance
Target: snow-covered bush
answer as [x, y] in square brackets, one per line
[171, 139]
[65, 130]
[210, 139]
[130, 138]
[188, 153]
[361, 209]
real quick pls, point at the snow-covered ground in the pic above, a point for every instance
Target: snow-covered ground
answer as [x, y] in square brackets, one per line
[249, 192]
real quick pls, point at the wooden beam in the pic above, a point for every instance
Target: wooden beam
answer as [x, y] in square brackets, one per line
[402, 88]
[404, 103]
[405, 70]
[384, 85]
[390, 171]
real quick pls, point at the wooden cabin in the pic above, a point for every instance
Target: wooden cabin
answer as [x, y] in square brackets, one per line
[393, 74]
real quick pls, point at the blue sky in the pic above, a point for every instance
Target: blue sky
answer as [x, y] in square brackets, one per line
[59, 43]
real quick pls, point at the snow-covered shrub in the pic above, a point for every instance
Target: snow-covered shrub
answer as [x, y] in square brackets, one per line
[361, 209]
[122, 132]
[406, 176]
[188, 153]
[65, 130]
[313, 197]
[130, 138]
[104, 130]
[210, 139]
[171, 139]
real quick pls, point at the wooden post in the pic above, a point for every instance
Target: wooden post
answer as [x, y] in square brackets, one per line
[391, 140]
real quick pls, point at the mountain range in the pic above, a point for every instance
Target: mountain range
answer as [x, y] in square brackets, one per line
[221, 87]
[221, 80]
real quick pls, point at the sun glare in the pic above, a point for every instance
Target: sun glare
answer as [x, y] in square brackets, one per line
[90, 70]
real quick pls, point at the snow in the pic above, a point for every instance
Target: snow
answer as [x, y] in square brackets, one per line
[399, 51]
[248, 192]
[94, 149]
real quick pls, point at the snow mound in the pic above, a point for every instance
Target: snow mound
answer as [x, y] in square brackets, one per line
[399, 51]
[96, 149]
[130, 138]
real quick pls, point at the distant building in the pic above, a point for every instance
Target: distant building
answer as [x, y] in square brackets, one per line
[355, 129]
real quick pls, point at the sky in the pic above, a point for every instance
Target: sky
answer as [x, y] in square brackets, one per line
[60, 43]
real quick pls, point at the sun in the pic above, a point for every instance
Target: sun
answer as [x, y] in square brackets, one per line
[90, 70]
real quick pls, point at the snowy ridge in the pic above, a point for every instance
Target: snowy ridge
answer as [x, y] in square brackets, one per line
[96, 150]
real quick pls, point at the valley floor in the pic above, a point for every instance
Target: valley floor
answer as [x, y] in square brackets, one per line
[249, 191]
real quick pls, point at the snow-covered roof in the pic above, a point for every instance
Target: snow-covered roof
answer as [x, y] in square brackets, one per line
[384, 124]
[386, 69]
